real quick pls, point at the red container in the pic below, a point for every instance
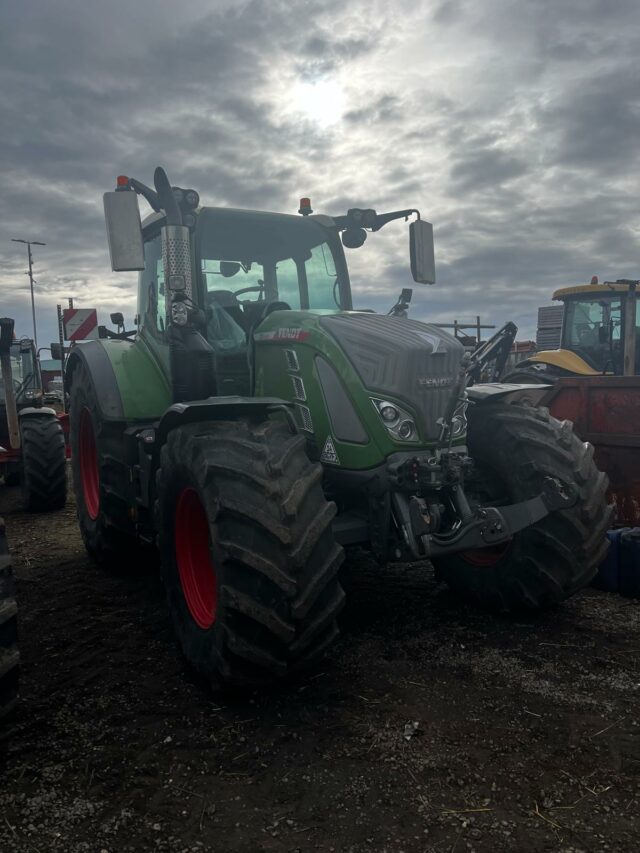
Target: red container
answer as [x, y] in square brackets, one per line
[606, 411]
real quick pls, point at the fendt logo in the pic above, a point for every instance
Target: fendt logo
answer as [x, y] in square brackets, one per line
[435, 381]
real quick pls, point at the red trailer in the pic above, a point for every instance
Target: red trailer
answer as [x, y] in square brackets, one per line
[606, 412]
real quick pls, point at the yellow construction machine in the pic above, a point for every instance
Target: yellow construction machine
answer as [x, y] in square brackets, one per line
[599, 332]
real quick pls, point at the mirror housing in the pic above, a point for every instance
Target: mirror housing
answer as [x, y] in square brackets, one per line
[56, 352]
[124, 231]
[229, 268]
[421, 252]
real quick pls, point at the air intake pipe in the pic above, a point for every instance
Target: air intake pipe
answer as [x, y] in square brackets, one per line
[191, 358]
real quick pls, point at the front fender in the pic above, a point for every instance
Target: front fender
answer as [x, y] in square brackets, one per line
[491, 392]
[222, 408]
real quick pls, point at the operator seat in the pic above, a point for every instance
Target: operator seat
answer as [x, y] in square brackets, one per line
[255, 312]
[229, 301]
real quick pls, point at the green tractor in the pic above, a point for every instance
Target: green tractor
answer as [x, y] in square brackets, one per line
[255, 425]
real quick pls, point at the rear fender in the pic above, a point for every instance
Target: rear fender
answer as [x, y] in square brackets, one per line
[501, 392]
[129, 384]
[36, 412]
[564, 359]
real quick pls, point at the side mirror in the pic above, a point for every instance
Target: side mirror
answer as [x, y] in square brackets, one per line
[421, 252]
[124, 231]
[56, 352]
[117, 318]
[229, 268]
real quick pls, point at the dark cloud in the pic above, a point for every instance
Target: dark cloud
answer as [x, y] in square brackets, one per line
[511, 124]
[490, 167]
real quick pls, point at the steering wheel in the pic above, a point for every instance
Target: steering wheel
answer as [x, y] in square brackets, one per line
[20, 386]
[258, 288]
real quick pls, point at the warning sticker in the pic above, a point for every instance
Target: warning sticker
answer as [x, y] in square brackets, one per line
[329, 453]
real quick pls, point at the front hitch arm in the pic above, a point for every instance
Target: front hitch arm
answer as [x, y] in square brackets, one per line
[492, 526]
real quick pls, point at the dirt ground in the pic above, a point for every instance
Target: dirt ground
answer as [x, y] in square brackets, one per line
[522, 734]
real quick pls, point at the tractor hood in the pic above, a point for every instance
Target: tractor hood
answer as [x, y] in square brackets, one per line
[401, 358]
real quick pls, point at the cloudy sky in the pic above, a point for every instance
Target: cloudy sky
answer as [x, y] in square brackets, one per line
[514, 125]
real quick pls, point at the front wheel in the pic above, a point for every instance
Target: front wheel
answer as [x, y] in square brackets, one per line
[248, 555]
[515, 447]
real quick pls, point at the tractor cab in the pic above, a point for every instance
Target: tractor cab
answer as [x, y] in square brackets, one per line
[207, 283]
[25, 375]
[599, 331]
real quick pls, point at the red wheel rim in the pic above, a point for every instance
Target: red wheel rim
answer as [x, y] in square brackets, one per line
[89, 473]
[486, 557]
[193, 556]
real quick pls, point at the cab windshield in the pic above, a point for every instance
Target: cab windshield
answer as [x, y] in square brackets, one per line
[23, 372]
[250, 259]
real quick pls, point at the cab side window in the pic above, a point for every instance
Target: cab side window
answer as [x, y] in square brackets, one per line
[151, 305]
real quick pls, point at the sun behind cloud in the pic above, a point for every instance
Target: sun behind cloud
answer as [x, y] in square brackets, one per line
[321, 101]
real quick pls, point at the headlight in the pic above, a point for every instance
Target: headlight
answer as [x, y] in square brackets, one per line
[400, 425]
[389, 413]
[406, 430]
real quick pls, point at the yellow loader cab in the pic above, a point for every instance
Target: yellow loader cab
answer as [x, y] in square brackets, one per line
[599, 332]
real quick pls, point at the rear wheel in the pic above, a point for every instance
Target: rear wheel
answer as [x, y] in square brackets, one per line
[99, 480]
[248, 555]
[9, 657]
[554, 558]
[44, 475]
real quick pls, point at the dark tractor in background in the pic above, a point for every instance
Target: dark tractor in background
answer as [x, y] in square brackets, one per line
[32, 450]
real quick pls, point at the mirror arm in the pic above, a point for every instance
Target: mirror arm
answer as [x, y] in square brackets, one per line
[383, 218]
[147, 193]
[343, 222]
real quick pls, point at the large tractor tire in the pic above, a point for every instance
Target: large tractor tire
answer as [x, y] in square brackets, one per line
[9, 657]
[515, 447]
[98, 476]
[248, 556]
[44, 475]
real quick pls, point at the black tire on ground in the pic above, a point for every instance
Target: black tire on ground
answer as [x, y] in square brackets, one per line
[9, 657]
[44, 476]
[265, 536]
[105, 524]
[515, 447]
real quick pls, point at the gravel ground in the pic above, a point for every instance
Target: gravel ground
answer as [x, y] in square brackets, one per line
[431, 727]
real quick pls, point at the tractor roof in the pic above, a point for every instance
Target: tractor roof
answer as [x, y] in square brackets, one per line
[586, 290]
[247, 214]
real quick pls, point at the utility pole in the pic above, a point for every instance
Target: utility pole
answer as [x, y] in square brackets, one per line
[29, 244]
